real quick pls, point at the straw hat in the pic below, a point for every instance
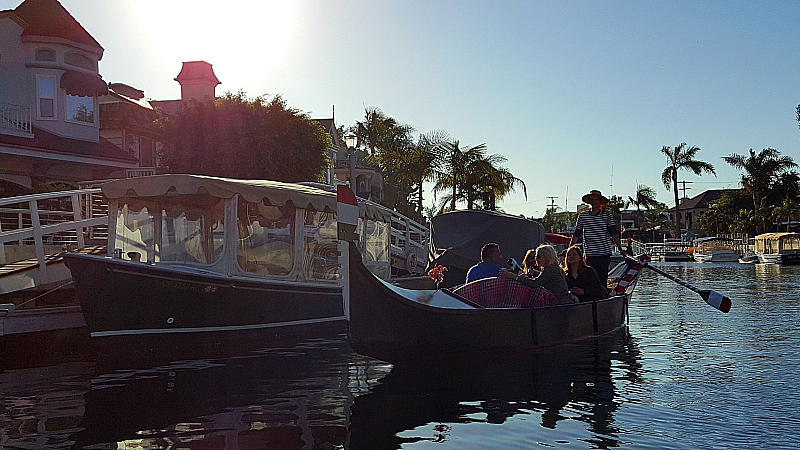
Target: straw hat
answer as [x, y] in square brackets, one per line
[596, 194]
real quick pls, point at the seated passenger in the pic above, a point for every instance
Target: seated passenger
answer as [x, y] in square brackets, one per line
[582, 279]
[490, 265]
[549, 276]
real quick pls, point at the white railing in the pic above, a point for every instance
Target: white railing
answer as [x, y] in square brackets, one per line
[140, 172]
[55, 218]
[16, 118]
[409, 241]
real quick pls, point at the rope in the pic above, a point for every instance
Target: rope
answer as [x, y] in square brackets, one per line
[42, 295]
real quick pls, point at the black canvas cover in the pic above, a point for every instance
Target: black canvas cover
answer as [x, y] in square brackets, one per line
[458, 236]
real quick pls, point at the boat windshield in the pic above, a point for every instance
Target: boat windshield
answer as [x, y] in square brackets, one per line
[266, 238]
[790, 244]
[183, 228]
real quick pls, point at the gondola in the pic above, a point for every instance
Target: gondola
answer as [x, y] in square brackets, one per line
[394, 324]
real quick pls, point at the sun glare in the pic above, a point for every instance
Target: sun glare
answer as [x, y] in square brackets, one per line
[229, 34]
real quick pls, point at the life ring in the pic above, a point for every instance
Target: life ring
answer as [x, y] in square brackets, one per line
[411, 262]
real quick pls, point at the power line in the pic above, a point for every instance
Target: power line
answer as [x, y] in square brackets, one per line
[552, 202]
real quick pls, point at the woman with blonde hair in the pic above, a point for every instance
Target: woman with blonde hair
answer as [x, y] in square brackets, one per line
[549, 274]
[582, 279]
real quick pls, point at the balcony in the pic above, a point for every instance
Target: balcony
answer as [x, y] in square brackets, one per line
[15, 120]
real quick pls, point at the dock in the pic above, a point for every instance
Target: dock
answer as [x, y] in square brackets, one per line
[36, 231]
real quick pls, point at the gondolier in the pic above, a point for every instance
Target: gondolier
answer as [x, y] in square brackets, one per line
[599, 232]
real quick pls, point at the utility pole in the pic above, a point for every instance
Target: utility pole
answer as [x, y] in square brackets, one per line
[684, 188]
[552, 202]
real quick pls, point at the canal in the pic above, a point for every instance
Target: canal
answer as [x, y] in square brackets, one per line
[683, 376]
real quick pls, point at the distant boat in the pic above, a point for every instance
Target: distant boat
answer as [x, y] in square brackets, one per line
[677, 255]
[778, 248]
[748, 257]
[714, 249]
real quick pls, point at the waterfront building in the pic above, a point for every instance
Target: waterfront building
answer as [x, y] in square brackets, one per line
[49, 102]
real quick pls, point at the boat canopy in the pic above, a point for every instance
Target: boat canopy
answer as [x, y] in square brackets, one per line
[711, 238]
[776, 236]
[458, 236]
[255, 191]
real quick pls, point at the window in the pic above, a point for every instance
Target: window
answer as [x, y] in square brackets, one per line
[266, 238]
[80, 109]
[321, 251]
[76, 59]
[45, 54]
[46, 95]
[191, 229]
[132, 145]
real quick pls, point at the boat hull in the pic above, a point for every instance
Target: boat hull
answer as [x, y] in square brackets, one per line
[392, 327]
[123, 298]
[723, 256]
[786, 259]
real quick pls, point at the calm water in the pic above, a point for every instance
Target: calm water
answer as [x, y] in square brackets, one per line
[684, 376]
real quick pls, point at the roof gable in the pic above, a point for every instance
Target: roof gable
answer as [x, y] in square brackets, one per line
[702, 200]
[48, 18]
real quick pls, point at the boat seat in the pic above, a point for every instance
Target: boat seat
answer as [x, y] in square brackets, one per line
[505, 293]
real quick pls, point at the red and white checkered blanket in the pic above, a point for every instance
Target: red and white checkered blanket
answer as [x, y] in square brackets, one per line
[505, 293]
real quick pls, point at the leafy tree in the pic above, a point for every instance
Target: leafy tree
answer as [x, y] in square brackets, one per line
[763, 171]
[681, 157]
[554, 220]
[616, 204]
[241, 138]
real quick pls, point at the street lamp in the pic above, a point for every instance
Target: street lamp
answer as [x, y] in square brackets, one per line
[350, 140]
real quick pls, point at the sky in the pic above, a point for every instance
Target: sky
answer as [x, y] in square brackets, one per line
[577, 95]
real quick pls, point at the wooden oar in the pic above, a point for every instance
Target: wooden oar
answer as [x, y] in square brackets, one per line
[713, 298]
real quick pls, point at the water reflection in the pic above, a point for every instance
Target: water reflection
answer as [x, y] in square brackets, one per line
[315, 395]
[273, 398]
[580, 375]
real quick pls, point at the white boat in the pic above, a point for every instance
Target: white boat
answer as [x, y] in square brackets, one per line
[748, 257]
[714, 249]
[778, 248]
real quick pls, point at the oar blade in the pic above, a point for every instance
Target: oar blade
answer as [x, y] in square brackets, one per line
[716, 300]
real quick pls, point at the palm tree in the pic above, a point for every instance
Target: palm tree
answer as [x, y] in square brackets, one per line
[423, 162]
[452, 171]
[742, 221]
[761, 171]
[487, 181]
[681, 157]
[645, 196]
[654, 218]
[787, 209]
[391, 148]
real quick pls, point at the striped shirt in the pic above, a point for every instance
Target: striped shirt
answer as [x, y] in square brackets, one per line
[596, 231]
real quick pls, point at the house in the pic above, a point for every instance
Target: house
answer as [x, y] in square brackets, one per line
[126, 120]
[692, 208]
[368, 179]
[198, 82]
[49, 102]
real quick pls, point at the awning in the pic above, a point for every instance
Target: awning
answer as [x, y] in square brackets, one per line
[83, 84]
